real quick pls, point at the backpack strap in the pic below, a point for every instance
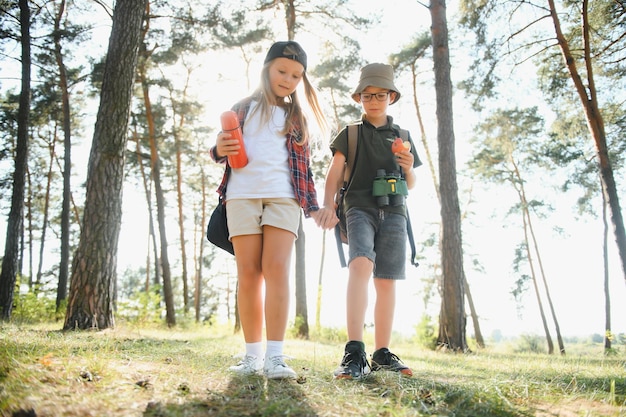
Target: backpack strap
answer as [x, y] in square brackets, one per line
[353, 140]
[409, 232]
[404, 135]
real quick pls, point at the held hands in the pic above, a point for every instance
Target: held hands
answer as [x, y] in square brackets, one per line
[325, 217]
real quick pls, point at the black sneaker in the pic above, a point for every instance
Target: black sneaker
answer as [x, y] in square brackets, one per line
[354, 364]
[382, 359]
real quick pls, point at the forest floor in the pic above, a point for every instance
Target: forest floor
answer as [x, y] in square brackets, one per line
[150, 372]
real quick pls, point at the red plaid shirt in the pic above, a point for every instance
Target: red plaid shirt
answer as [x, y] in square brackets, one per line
[299, 157]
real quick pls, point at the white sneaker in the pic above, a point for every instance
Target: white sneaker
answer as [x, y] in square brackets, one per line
[249, 365]
[276, 368]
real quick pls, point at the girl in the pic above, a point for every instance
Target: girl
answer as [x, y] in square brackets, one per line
[264, 199]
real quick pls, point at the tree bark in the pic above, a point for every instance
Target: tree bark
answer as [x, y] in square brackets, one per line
[168, 295]
[151, 234]
[529, 256]
[199, 263]
[480, 342]
[607, 290]
[452, 314]
[320, 285]
[46, 214]
[302, 315]
[67, 162]
[15, 223]
[179, 193]
[93, 279]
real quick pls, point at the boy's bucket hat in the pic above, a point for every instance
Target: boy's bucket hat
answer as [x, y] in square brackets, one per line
[376, 75]
[277, 50]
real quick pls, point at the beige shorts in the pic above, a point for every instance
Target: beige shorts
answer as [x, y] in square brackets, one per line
[248, 216]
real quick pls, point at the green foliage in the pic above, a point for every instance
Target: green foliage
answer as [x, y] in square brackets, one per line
[426, 333]
[507, 47]
[597, 338]
[295, 330]
[529, 343]
[330, 335]
[34, 307]
[142, 307]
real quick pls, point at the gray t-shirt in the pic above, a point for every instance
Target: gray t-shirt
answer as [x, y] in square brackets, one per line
[373, 153]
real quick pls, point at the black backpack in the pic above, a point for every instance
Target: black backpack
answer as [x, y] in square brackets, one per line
[341, 235]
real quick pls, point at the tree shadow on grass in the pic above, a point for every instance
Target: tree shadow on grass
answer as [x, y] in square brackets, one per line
[423, 397]
[244, 396]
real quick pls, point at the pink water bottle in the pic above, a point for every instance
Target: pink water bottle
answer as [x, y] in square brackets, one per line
[230, 124]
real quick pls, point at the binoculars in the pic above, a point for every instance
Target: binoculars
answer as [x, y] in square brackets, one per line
[390, 189]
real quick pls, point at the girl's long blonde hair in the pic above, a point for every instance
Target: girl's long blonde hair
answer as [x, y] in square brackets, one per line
[295, 117]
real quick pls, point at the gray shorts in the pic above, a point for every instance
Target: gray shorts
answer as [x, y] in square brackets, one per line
[380, 237]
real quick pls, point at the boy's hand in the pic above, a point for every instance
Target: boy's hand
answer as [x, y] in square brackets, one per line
[405, 160]
[325, 217]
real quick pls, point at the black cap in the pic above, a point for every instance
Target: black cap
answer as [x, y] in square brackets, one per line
[277, 50]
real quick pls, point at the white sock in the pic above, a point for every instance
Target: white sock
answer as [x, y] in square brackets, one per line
[274, 348]
[254, 349]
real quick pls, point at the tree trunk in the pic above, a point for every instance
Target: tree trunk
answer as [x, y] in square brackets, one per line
[200, 266]
[452, 314]
[290, 18]
[318, 302]
[31, 239]
[595, 123]
[302, 315]
[480, 342]
[179, 194]
[67, 162]
[544, 322]
[517, 183]
[92, 286]
[168, 295]
[46, 214]
[301, 306]
[151, 235]
[524, 202]
[144, 57]
[15, 222]
[607, 290]
[237, 326]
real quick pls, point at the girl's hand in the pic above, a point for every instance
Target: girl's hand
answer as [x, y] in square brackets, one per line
[325, 217]
[225, 146]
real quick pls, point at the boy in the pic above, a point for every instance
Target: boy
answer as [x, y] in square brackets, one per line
[376, 228]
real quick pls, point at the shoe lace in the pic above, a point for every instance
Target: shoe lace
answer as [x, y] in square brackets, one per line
[278, 360]
[394, 358]
[248, 361]
[386, 358]
[354, 357]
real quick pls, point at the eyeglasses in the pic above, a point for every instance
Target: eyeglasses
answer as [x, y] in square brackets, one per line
[379, 96]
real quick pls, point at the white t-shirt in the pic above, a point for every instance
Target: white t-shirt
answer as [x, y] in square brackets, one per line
[267, 173]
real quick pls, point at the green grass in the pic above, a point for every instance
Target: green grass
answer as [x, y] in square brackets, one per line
[156, 372]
